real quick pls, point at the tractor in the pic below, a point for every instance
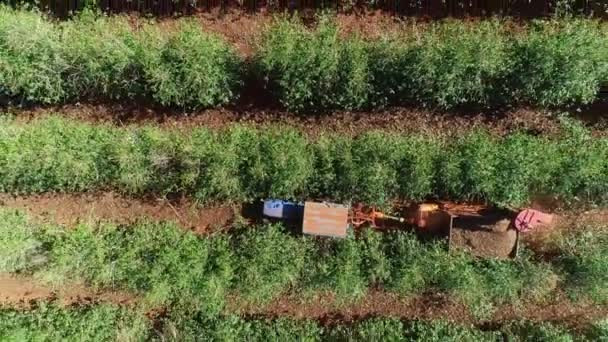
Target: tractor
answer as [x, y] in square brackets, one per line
[481, 232]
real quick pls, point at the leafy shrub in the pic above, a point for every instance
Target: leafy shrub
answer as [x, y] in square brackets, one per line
[103, 58]
[274, 162]
[269, 262]
[243, 163]
[528, 331]
[469, 167]
[455, 63]
[340, 268]
[446, 64]
[192, 69]
[481, 284]
[584, 258]
[599, 331]
[91, 57]
[22, 249]
[31, 63]
[144, 259]
[559, 62]
[317, 70]
[107, 322]
[54, 155]
[54, 323]
[150, 160]
[583, 168]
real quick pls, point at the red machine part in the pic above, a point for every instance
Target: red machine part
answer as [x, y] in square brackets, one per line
[361, 215]
[528, 219]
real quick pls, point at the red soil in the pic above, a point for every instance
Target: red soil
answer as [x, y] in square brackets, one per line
[398, 120]
[71, 209]
[21, 291]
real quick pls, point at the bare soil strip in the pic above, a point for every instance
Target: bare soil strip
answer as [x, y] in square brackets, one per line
[397, 120]
[22, 291]
[429, 306]
[72, 209]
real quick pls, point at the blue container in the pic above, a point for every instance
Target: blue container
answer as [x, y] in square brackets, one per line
[283, 209]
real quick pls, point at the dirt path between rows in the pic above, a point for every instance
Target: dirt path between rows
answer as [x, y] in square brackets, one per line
[397, 120]
[430, 306]
[22, 291]
[72, 209]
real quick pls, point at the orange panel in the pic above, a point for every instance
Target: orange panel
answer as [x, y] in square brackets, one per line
[326, 219]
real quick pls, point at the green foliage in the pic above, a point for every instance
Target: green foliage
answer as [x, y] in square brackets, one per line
[52, 323]
[192, 69]
[314, 70]
[527, 331]
[262, 263]
[143, 259]
[446, 64]
[199, 326]
[481, 284]
[96, 57]
[54, 155]
[599, 331]
[585, 165]
[102, 56]
[49, 322]
[243, 163]
[269, 262]
[559, 62]
[387, 329]
[340, 268]
[584, 259]
[459, 64]
[31, 63]
[22, 249]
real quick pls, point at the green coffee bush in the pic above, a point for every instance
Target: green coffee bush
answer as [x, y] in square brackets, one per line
[96, 57]
[584, 258]
[110, 322]
[102, 58]
[54, 155]
[22, 248]
[269, 262]
[457, 64]
[145, 260]
[55, 322]
[244, 163]
[262, 263]
[192, 69]
[559, 62]
[31, 62]
[314, 70]
[446, 64]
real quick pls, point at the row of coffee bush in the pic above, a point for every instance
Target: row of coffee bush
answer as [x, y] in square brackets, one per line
[243, 163]
[446, 64]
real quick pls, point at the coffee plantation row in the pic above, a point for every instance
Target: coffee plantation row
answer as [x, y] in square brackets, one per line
[448, 64]
[262, 263]
[242, 163]
[113, 323]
